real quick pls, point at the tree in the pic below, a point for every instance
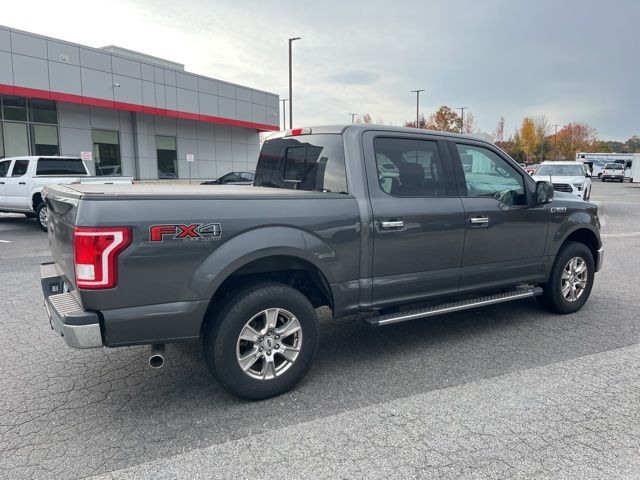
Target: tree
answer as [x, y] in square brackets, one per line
[633, 144]
[498, 133]
[444, 120]
[366, 118]
[528, 138]
[577, 137]
[469, 123]
[422, 123]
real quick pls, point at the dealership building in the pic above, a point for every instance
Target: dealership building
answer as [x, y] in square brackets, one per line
[127, 113]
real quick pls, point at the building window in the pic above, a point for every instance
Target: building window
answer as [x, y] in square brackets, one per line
[167, 157]
[106, 152]
[16, 139]
[44, 140]
[42, 111]
[14, 108]
[22, 130]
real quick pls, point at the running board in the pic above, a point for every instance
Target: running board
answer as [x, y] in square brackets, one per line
[517, 294]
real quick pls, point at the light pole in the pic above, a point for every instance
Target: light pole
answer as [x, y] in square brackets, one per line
[284, 113]
[417, 92]
[353, 116]
[291, 40]
[555, 144]
[462, 109]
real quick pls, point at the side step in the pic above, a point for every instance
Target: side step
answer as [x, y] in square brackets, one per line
[432, 311]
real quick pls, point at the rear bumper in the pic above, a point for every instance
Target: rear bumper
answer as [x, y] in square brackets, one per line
[77, 327]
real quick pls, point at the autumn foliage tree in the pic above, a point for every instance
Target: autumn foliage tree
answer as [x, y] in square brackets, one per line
[444, 120]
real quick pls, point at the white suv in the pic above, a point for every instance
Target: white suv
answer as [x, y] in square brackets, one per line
[570, 177]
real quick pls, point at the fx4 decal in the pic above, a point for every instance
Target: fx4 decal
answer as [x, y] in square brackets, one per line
[195, 231]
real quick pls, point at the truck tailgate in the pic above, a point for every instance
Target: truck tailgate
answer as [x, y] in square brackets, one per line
[63, 208]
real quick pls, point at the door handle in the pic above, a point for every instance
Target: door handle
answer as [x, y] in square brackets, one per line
[392, 224]
[1, 183]
[479, 221]
[22, 183]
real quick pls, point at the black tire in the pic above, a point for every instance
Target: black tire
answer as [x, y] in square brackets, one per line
[552, 297]
[42, 216]
[222, 332]
[587, 195]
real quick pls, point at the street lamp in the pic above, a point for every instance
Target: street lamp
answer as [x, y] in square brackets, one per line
[353, 116]
[462, 109]
[555, 143]
[417, 92]
[291, 40]
[284, 113]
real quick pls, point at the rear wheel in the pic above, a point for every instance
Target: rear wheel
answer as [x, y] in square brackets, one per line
[262, 342]
[571, 279]
[42, 216]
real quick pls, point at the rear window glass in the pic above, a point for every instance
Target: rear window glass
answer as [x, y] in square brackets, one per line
[60, 166]
[614, 166]
[305, 162]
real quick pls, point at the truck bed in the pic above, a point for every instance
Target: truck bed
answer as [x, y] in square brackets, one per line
[154, 190]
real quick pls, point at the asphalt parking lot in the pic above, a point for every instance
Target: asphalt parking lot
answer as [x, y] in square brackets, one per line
[509, 391]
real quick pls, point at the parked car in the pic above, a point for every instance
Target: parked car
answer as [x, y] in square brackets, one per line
[531, 169]
[613, 171]
[569, 177]
[243, 269]
[233, 178]
[23, 178]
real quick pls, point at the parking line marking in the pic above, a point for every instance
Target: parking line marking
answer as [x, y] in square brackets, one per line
[5, 241]
[620, 235]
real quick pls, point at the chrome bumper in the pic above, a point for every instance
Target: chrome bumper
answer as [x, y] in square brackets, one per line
[78, 328]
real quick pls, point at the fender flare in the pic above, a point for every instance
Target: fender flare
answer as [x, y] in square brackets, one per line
[260, 243]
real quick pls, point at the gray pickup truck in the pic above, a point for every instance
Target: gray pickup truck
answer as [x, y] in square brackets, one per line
[400, 223]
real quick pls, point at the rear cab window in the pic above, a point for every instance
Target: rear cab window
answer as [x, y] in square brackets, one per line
[60, 166]
[305, 162]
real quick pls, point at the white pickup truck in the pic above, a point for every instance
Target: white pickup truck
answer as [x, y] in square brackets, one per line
[23, 178]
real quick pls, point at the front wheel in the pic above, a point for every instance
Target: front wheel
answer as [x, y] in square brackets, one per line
[571, 279]
[42, 216]
[262, 341]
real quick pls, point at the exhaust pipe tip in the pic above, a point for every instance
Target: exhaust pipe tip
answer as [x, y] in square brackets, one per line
[156, 357]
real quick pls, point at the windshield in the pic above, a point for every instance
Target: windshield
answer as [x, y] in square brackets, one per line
[561, 170]
[304, 162]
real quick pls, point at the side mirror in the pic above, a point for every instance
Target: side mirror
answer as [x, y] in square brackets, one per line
[544, 192]
[587, 174]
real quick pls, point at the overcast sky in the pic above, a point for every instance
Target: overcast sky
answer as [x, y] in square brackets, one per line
[569, 60]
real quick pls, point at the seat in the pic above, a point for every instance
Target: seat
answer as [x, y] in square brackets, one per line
[411, 180]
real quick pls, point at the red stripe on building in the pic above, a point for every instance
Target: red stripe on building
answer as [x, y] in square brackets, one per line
[128, 107]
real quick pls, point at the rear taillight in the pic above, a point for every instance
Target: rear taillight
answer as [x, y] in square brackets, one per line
[96, 251]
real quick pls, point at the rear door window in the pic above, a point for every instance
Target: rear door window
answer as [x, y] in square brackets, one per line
[409, 168]
[20, 168]
[60, 166]
[305, 162]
